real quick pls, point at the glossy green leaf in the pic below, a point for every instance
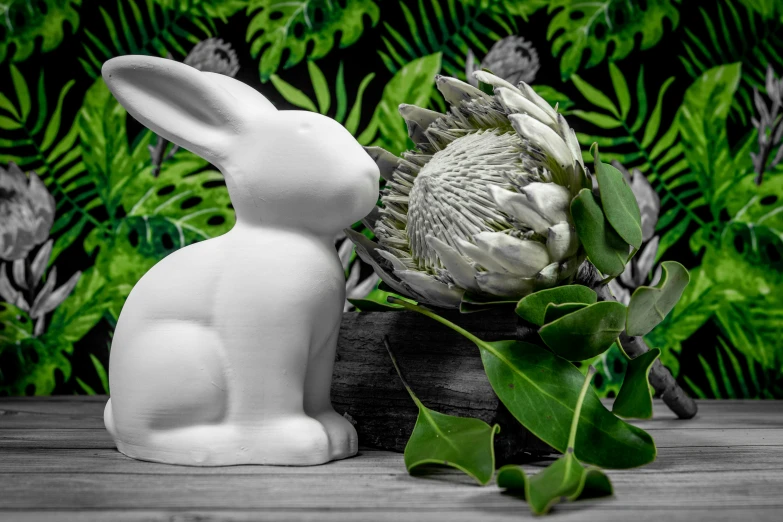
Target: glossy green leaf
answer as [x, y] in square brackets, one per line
[649, 305]
[563, 480]
[556, 311]
[532, 308]
[618, 202]
[376, 301]
[446, 440]
[541, 391]
[592, 483]
[587, 332]
[605, 248]
[635, 398]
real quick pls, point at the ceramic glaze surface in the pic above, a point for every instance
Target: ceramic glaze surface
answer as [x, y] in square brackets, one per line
[223, 351]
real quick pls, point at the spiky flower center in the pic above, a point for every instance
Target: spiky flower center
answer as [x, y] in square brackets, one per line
[449, 197]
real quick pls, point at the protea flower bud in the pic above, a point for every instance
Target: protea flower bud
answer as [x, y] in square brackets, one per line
[483, 205]
[26, 212]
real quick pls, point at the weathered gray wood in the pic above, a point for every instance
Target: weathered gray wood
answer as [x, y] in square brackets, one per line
[581, 513]
[723, 465]
[443, 368]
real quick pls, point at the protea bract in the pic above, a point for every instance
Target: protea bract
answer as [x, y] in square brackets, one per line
[480, 210]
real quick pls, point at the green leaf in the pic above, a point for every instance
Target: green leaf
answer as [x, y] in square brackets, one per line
[562, 480]
[376, 301]
[635, 398]
[9, 124]
[412, 85]
[86, 387]
[30, 365]
[22, 92]
[292, 95]
[651, 130]
[586, 332]
[591, 483]
[590, 27]
[618, 201]
[82, 309]
[556, 311]
[594, 96]
[620, 89]
[304, 28]
[596, 118]
[459, 442]
[17, 324]
[532, 307]
[702, 121]
[101, 371]
[320, 86]
[32, 24]
[541, 391]
[650, 305]
[605, 248]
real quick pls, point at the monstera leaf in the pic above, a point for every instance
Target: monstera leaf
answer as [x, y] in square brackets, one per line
[294, 26]
[579, 27]
[28, 22]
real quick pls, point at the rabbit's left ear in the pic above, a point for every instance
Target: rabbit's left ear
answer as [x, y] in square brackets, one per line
[195, 110]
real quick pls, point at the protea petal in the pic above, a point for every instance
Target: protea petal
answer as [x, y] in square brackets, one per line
[385, 160]
[547, 277]
[455, 91]
[518, 207]
[543, 138]
[368, 251]
[528, 92]
[518, 256]
[562, 241]
[435, 292]
[494, 81]
[458, 267]
[505, 285]
[549, 199]
[570, 139]
[418, 119]
[479, 256]
[514, 102]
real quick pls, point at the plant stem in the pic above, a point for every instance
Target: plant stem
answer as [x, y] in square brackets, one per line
[578, 408]
[660, 377]
[399, 372]
[438, 318]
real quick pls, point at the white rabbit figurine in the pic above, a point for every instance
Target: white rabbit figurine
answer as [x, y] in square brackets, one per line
[223, 351]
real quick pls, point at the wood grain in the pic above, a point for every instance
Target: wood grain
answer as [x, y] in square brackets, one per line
[58, 463]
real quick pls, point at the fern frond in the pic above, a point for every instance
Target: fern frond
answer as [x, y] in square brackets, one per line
[736, 33]
[449, 27]
[146, 27]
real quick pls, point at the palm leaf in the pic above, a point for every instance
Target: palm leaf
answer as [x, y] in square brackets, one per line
[448, 27]
[735, 33]
[146, 27]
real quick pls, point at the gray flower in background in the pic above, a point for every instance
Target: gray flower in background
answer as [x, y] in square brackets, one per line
[637, 272]
[513, 58]
[26, 212]
[769, 126]
[210, 55]
[214, 55]
[33, 296]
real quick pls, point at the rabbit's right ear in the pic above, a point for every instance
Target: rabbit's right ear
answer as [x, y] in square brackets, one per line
[190, 108]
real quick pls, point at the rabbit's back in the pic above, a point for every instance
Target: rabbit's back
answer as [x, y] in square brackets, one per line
[248, 270]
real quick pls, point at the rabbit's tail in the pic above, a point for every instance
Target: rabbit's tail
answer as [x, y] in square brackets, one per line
[108, 420]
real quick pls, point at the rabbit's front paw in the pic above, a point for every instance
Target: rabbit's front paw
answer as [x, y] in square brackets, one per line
[343, 440]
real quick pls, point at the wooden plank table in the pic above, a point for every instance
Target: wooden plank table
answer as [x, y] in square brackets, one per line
[58, 463]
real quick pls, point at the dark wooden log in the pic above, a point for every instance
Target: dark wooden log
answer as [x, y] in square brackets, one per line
[443, 368]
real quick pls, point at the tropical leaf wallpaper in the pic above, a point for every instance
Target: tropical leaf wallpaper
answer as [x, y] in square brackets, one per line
[686, 96]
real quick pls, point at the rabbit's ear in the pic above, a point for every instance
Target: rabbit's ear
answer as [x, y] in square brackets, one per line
[182, 104]
[250, 98]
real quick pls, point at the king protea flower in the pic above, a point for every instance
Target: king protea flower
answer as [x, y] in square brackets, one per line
[480, 211]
